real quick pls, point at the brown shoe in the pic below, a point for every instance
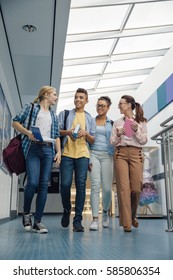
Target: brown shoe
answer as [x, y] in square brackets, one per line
[135, 223]
[127, 229]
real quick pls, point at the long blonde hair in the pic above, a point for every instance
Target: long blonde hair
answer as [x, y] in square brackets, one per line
[42, 92]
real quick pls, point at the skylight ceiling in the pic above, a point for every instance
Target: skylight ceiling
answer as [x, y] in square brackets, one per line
[113, 46]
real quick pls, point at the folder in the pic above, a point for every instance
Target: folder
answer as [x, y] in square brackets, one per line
[128, 129]
[36, 132]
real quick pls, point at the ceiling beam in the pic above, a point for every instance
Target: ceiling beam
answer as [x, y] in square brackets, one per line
[60, 30]
[112, 34]
[117, 57]
[104, 90]
[114, 75]
[80, 5]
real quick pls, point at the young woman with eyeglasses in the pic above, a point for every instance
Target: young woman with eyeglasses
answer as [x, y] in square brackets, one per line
[129, 134]
[101, 164]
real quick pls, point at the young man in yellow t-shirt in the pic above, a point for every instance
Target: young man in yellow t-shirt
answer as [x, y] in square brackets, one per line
[75, 156]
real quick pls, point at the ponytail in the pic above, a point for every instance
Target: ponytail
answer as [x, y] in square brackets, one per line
[139, 113]
[36, 100]
[139, 117]
[42, 93]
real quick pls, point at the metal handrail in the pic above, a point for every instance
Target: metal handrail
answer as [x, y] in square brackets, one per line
[166, 121]
[154, 137]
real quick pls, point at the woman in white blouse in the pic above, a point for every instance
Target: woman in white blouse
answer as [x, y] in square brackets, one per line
[129, 134]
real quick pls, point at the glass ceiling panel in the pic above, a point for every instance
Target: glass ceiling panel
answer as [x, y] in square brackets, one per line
[81, 3]
[73, 87]
[87, 49]
[134, 64]
[161, 13]
[96, 19]
[144, 43]
[82, 70]
[121, 81]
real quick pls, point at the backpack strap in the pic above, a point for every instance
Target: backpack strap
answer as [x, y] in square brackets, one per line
[65, 118]
[29, 123]
[30, 116]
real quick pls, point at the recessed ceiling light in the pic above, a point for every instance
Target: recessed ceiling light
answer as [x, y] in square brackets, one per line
[29, 28]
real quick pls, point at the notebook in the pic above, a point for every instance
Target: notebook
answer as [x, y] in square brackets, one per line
[128, 129]
[36, 132]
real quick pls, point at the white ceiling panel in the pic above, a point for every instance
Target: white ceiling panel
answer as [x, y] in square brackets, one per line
[87, 49]
[92, 19]
[144, 43]
[72, 87]
[121, 81]
[151, 14]
[132, 64]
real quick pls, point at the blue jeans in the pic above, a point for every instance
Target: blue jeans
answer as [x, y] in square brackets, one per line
[80, 168]
[38, 167]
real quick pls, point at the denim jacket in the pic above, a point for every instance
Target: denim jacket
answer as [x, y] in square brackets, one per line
[108, 126]
[89, 122]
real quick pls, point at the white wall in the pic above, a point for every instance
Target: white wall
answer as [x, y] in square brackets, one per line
[8, 191]
[14, 194]
[5, 195]
[7, 78]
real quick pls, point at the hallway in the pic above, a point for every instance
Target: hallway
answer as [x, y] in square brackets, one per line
[149, 242]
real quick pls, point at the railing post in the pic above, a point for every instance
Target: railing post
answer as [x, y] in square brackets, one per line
[165, 136]
[167, 183]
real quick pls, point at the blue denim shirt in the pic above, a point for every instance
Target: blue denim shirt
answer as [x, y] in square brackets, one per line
[89, 123]
[110, 148]
[23, 118]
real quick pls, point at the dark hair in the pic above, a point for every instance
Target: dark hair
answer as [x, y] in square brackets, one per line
[107, 99]
[82, 90]
[135, 105]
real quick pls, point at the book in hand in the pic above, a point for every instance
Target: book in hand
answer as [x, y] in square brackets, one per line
[36, 132]
[128, 128]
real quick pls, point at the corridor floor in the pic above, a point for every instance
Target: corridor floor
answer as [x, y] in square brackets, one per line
[149, 242]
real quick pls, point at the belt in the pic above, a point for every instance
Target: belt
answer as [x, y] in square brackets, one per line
[43, 143]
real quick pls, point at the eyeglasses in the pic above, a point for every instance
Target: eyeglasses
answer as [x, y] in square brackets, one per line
[101, 106]
[122, 103]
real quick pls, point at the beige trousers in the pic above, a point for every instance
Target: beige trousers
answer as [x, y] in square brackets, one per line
[129, 176]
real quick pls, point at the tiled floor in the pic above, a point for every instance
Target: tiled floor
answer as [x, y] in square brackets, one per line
[149, 242]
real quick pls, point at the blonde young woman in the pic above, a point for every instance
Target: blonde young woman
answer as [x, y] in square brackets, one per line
[39, 155]
[129, 134]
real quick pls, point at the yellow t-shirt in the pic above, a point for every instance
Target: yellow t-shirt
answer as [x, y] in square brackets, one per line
[78, 148]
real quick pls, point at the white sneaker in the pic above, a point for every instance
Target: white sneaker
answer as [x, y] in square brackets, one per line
[94, 225]
[105, 219]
